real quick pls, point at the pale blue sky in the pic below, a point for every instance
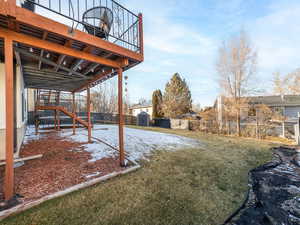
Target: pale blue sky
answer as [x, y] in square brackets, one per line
[183, 36]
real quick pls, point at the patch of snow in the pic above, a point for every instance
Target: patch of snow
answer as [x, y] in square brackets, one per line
[139, 144]
[30, 134]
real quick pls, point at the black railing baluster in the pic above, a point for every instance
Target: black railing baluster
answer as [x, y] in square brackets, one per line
[125, 30]
[132, 29]
[78, 8]
[128, 37]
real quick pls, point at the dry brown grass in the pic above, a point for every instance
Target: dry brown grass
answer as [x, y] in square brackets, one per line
[190, 186]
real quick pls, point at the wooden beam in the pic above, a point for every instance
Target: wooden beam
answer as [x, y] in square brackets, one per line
[74, 113]
[45, 34]
[101, 75]
[9, 133]
[88, 105]
[61, 58]
[50, 46]
[8, 7]
[77, 63]
[121, 117]
[24, 159]
[43, 23]
[93, 66]
[90, 68]
[93, 80]
[47, 61]
[58, 112]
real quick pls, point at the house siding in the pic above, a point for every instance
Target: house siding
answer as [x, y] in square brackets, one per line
[20, 110]
[291, 111]
[137, 111]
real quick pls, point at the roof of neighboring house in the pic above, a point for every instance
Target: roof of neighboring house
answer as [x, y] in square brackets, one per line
[138, 106]
[274, 100]
[189, 115]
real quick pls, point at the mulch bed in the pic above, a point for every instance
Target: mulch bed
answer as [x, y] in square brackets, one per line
[64, 164]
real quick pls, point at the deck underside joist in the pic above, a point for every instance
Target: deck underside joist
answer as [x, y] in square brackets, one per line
[44, 69]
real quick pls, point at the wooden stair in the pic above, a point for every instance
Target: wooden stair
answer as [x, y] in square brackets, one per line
[66, 112]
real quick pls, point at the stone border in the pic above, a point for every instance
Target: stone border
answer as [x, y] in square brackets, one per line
[24, 206]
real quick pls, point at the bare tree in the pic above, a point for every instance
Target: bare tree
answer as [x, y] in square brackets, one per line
[104, 97]
[279, 84]
[236, 66]
[287, 84]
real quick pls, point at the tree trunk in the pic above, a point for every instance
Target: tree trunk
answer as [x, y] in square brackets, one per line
[238, 123]
[257, 125]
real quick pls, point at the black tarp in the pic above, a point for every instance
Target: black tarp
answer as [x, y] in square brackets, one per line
[274, 194]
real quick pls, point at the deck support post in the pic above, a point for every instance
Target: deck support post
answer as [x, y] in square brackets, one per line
[36, 117]
[141, 34]
[121, 117]
[55, 123]
[58, 120]
[9, 109]
[58, 112]
[88, 105]
[74, 113]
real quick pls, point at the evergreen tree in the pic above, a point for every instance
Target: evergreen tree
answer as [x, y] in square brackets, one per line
[157, 104]
[177, 98]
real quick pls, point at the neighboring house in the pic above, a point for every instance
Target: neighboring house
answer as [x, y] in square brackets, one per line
[137, 109]
[20, 105]
[287, 106]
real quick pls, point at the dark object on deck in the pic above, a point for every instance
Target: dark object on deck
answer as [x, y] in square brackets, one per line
[273, 197]
[143, 119]
[98, 21]
[29, 5]
[10, 203]
[163, 123]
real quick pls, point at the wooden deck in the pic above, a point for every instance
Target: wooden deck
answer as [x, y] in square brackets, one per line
[53, 56]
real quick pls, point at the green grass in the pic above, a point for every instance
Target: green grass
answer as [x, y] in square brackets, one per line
[190, 186]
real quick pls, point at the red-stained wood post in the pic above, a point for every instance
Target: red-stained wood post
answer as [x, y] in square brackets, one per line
[9, 109]
[141, 34]
[121, 117]
[55, 119]
[35, 111]
[58, 112]
[88, 105]
[74, 113]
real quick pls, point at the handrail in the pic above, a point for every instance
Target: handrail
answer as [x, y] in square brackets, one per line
[125, 30]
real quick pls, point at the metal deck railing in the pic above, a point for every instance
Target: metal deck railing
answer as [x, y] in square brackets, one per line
[125, 26]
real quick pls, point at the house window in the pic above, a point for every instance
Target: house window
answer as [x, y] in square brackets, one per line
[252, 111]
[278, 110]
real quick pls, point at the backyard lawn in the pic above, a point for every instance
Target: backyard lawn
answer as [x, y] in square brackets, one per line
[202, 185]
